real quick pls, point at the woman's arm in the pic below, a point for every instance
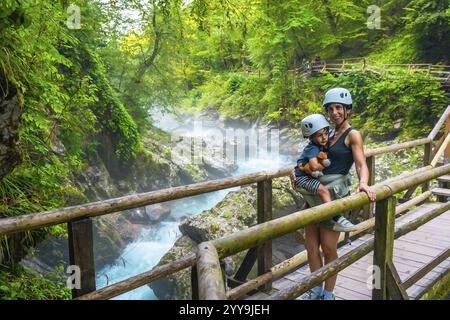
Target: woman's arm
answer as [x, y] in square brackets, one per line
[357, 146]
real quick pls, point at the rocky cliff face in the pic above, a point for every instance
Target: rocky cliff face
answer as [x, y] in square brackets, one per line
[10, 111]
[236, 212]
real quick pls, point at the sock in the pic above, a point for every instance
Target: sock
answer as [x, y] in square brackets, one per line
[328, 294]
[336, 218]
[318, 290]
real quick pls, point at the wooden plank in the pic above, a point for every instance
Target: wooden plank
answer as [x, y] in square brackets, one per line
[348, 294]
[429, 244]
[384, 242]
[403, 270]
[421, 235]
[354, 285]
[438, 226]
[436, 229]
[264, 210]
[406, 256]
[81, 254]
[441, 192]
[445, 179]
[257, 296]
[362, 275]
[404, 259]
[420, 249]
[394, 287]
[283, 283]
[423, 271]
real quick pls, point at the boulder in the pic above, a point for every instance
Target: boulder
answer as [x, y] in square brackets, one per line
[148, 215]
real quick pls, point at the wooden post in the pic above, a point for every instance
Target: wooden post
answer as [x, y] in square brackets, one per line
[447, 149]
[368, 208]
[81, 254]
[394, 284]
[194, 283]
[426, 161]
[384, 245]
[264, 203]
[247, 265]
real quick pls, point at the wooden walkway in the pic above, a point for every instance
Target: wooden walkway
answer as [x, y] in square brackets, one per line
[411, 252]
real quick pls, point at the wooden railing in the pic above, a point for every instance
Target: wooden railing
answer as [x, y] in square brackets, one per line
[257, 238]
[438, 72]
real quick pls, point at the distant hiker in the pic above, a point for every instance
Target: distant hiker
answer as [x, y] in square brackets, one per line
[305, 66]
[316, 65]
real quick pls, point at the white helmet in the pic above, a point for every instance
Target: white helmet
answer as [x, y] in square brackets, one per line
[313, 123]
[338, 95]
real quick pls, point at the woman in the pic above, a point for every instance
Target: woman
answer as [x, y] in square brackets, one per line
[345, 148]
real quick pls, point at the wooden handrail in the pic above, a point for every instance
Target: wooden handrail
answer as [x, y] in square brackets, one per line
[211, 286]
[441, 150]
[58, 216]
[189, 261]
[347, 259]
[257, 235]
[141, 279]
[439, 124]
[63, 215]
[397, 147]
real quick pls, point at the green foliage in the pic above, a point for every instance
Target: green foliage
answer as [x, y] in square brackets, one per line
[23, 284]
[428, 21]
[400, 103]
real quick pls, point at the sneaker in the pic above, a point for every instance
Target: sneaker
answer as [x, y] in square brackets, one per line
[310, 295]
[323, 297]
[343, 225]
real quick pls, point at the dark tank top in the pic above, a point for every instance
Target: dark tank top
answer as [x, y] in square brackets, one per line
[340, 155]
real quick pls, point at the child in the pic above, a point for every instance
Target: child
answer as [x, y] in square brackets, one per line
[316, 128]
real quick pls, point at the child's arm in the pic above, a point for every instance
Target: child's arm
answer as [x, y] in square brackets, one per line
[315, 165]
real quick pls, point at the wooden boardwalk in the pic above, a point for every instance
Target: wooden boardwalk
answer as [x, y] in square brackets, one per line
[411, 252]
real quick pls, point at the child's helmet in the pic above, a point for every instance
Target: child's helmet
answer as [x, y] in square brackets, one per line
[338, 95]
[313, 123]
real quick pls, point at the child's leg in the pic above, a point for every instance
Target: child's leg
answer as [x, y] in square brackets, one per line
[324, 193]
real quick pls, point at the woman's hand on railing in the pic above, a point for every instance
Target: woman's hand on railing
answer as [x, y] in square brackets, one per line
[370, 193]
[292, 177]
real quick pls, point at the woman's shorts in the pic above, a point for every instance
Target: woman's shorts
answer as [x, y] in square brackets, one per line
[308, 183]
